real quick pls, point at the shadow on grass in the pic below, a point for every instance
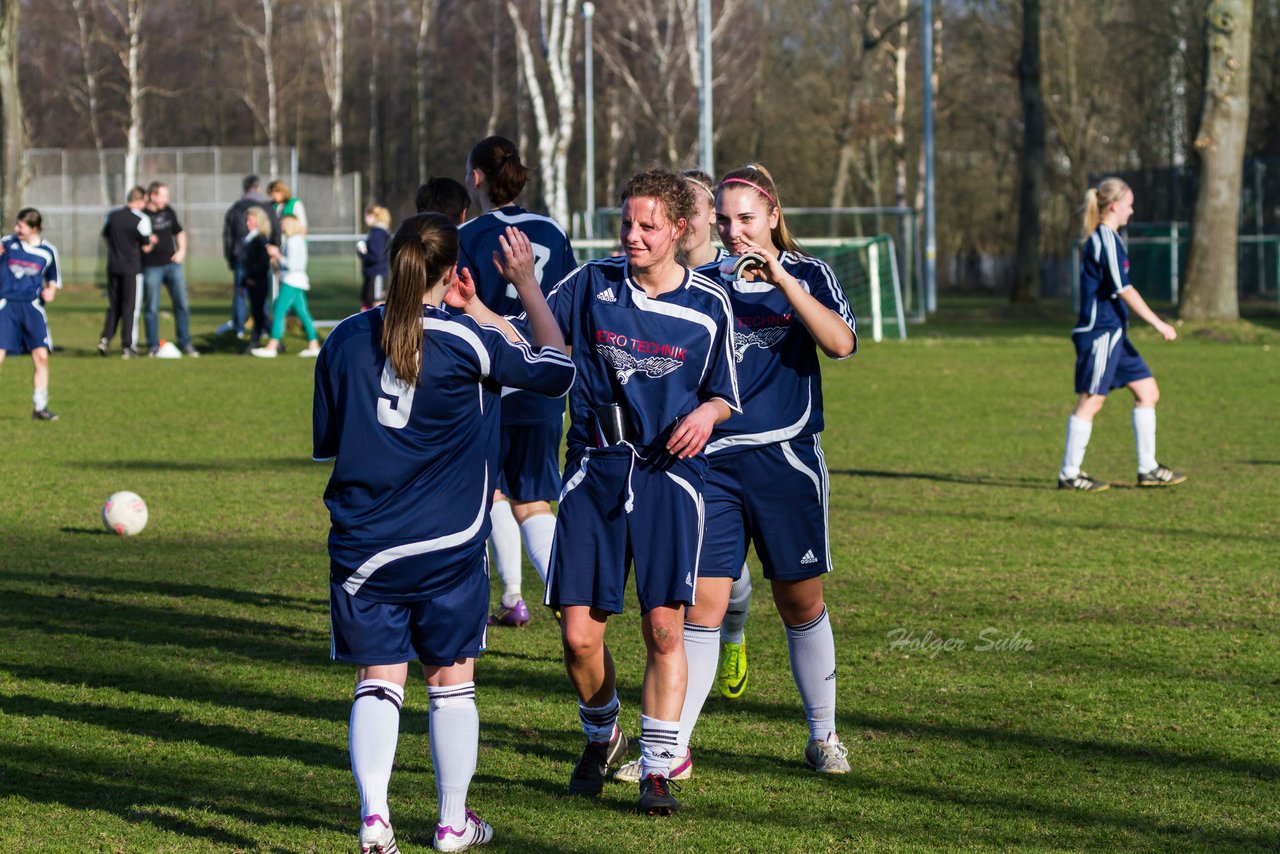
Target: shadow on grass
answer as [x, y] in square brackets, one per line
[91, 532]
[1017, 483]
[124, 586]
[224, 466]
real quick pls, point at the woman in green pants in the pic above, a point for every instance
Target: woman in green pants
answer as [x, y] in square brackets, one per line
[294, 284]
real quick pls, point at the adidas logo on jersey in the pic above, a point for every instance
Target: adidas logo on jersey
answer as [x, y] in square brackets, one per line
[808, 558]
[607, 295]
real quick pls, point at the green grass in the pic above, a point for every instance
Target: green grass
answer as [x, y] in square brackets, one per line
[172, 692]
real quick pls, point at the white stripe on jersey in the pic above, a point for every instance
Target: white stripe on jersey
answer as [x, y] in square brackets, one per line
[353, 584]
[516, 219]
[1113, 262]
[454, 328]
[698, 502]
[826, 497]
[769, 436]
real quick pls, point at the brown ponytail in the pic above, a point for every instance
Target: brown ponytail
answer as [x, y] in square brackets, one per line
[423, 250]
[505, 176]
[757, 178]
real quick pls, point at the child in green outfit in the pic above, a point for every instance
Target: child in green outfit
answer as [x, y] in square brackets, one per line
[294, 284]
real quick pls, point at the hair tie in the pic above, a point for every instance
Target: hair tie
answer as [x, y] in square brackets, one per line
[702, 187]
[752, 185]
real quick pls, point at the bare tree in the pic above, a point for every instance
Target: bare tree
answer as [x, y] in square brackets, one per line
[1211, 288]
[427, 10]
[375, 78]
[263, 40]
[1026, 282]
[10, 109]
[127, 15]
[87, 38]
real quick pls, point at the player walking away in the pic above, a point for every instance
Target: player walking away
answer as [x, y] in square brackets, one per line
[1105, 359]
[768, 480]
[163, 266]
[532, 424]
[653, 344]
[373, 256]
[127, 231]
[29, 278]
[294, 284]
[405, 404]
[698, 250]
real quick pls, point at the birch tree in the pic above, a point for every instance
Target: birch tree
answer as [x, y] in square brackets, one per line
[87, 38]
[427, 10]
[128, 50]
[263, 41]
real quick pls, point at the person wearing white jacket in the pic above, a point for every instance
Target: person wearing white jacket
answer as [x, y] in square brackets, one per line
[294, 284]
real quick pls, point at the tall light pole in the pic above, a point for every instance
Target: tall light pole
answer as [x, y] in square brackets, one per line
[930, 226]
[705, 139]
[588, 77]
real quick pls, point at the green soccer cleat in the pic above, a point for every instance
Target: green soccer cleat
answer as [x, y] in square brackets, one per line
[732, 678]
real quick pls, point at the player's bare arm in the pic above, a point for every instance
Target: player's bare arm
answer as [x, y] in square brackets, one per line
[693, 431]
[1139, 306]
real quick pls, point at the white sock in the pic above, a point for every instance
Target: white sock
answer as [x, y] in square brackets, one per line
[813, 666]
[505, 542]
[657, 745]
[1078, 433]
[1144, 436]
[598, 722]
[538, 532]
[735, 616]
[40, 397]
[455, 741]
[702, 649]
[375, 728]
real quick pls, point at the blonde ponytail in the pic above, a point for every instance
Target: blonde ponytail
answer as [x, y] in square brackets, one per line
[1098, 199]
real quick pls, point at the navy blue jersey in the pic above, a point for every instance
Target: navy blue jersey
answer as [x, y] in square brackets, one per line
[777, 359]
[1104, 275]
[659, 358]
[415, 467]
[552, 261]
[374, 258]
[27, 269]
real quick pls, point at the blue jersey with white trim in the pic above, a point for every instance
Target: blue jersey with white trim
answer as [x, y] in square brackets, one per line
[27, 268]
[415, 466]
[1104, 275]
[659, 358]
[778, 365]
[552, 261]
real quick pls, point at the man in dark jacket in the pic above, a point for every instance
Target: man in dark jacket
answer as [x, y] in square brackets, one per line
[127, 231]
[233, 235]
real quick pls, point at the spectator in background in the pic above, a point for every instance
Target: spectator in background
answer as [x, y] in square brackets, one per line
[255, 262]
[373, 256]
[291, 259]
[163, 266]
[285, 204]
[127, 231]
[443, 195]
[233, 242]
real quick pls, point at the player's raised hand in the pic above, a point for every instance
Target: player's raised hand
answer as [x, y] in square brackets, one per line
[772, 272]
[462, 290]
[515, 262]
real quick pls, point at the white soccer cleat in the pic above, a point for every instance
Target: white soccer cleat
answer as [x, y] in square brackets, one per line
[377, 837]
[681, 769]
[474, 832]
[827, 757]
[263, 352]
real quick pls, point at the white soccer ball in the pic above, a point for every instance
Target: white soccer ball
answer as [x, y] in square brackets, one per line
[125, 513]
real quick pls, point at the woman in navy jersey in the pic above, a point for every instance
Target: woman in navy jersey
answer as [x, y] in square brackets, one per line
[1105, 359]
[406, 400]
[767, 483]
[531, 424]
[651, 340]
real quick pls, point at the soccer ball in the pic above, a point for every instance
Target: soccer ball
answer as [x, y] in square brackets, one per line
[125, 513]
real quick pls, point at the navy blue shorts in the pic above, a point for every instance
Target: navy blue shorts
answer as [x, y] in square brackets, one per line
[1105, 360]
[439, 631]
[616, 509]
[775, 497]
[23, 326]
[530, 469]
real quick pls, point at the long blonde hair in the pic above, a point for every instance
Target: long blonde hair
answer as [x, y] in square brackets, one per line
[261, 220]
[755, 177]
[423, 250]
[1098, 199]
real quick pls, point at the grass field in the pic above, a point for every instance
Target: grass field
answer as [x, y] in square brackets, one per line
[172, 692]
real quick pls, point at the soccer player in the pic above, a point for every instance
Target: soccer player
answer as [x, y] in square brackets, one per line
[532, 424]
[443, 195]
[652, 342]
[28, 279]
[405, 398]
[373, 256]
[1105, 359]
[768, 480]
[127, 231]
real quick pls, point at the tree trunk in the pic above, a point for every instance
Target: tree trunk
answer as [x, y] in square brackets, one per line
[1026, 284]
[133, 134]
[426, 13]
[87, 37]
[10, 110]
[269, 70]
[1211, 292]
[375, 71]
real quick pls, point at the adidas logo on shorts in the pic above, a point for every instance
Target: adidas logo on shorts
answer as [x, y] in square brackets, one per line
[808, 558]
[607, 295]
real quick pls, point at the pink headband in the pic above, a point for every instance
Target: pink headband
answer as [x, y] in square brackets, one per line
[750, 184]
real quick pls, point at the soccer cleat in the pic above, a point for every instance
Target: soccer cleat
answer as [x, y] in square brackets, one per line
[474, 832]
[309, 352]
[377, 837]
[190, 350]
[1160, 476]
[680, 769]
[656, 797]
[827, 757]
[263, 352]
[732, 677]
[597, 756]
[128, 353]
[43, 415]
[517, 615]
[104, 347]
[1083, 483]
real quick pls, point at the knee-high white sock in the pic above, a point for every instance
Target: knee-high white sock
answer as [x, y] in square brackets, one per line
[40, 398]
[505, 542]
[1078, 433]
[1144, 436]
[455, 741]
[735, 616]
[813, 666]
[657, 745]
[598, 721]
[375, 728]
[538, 532]
[702, 649]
